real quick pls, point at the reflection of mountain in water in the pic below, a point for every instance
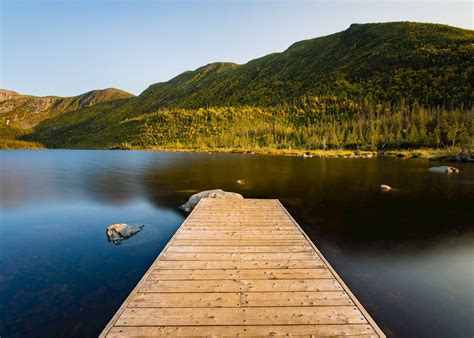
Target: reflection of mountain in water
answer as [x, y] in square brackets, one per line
[335, 198]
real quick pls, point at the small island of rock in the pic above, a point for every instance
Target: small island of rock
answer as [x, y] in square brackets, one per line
[120, 231]
[444, 169]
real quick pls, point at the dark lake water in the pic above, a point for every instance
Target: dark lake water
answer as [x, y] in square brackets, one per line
[406, 254]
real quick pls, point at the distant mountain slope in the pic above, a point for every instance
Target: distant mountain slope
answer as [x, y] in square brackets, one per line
[386, 85]
[26, 111]
[7, 94]
[388, 61]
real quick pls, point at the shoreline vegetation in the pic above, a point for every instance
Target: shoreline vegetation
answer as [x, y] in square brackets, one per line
[446, 154]
[13, 144]
[427, 154]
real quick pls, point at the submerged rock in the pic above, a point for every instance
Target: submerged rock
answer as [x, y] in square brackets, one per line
[385, 187]
[120, 231]
[216, 193]
[444, 169]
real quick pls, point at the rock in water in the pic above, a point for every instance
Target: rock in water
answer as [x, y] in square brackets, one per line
[216, 193]
[444, 169]
[385, 187]
[120, 231]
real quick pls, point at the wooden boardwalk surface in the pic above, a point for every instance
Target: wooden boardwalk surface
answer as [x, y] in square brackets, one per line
[241, 267]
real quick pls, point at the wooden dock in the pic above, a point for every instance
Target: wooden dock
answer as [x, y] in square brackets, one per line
[238, 268]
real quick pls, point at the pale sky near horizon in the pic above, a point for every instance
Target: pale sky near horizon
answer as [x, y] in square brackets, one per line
[65, 48]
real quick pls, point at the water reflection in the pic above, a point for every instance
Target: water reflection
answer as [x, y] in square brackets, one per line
[340, 197]
[407, 254]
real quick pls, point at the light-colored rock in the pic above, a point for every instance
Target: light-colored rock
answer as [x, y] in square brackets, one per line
[444, 169]
[216, 193]
[120, 231]
[241, 181]
[7, 94]
[385, 187]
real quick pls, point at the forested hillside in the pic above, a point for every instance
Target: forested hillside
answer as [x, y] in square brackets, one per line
[372, 86]
[428, 63]
[20, 113]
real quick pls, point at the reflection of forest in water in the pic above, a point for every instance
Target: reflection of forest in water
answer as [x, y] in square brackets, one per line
[337, 198]
[406, 254]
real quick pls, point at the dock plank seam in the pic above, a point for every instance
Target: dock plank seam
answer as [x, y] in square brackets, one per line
[219, 280]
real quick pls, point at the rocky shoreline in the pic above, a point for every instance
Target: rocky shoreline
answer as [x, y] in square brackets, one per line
[443, 155]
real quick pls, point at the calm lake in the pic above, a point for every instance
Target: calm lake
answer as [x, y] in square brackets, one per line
[406, 254]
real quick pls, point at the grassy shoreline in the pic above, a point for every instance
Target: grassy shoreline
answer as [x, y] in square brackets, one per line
[12, 144]
[445, 154]
[422, 153]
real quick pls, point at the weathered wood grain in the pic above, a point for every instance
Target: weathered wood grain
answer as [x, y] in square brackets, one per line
[241, 268]
[220, 274]
[240, 248]
[320, 330]
[274, 264]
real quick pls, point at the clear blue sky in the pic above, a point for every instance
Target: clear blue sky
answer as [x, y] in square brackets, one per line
[69, 47]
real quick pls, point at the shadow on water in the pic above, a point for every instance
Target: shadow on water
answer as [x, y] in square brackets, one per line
[407, 253]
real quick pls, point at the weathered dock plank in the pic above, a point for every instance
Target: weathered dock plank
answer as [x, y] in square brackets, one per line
[241, 268]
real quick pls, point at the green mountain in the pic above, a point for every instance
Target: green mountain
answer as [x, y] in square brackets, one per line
[20, 113]
[26, 111]
[386, 61]
[372, 86]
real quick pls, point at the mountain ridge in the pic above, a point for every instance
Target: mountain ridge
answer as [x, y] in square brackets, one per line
[25, 111]
[398, 84]
[278, 79]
